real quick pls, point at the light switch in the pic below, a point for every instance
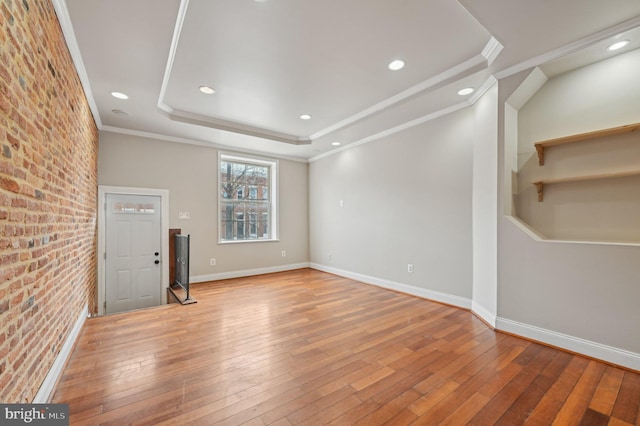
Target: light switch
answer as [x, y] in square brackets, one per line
[183, 215]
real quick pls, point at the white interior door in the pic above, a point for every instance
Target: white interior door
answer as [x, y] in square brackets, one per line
[133, 252]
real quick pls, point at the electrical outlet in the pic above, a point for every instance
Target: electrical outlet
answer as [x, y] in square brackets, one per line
[284, 253]
[410, 267]
[212, 262]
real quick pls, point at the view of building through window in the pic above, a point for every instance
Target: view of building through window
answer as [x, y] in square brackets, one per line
[246, 207]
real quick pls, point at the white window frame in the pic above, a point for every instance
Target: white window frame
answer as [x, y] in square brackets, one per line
[273, 194]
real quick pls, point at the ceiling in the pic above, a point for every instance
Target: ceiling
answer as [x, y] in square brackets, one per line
[270, 61]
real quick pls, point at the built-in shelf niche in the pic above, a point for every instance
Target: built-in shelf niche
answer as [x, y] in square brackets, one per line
[541, 183]
[541, 146]
[544, 145]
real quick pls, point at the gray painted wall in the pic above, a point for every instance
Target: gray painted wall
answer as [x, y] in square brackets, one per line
[189, 172]
[587, 291]
[406, 199]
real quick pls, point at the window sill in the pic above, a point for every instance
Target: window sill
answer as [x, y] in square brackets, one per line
[248, 241]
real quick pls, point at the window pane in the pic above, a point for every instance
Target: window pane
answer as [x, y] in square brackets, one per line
[264, 225]
[143, 208]
[253, 192]
[240, 225]
[253, 225]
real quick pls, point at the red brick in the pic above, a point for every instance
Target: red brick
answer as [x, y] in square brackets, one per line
[16, 216]
[19, 202]
[18, 173]
[15, 143]
[9, 184]
[48, 187]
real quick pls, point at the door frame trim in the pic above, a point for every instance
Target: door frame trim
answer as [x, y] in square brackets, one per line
[103, 190]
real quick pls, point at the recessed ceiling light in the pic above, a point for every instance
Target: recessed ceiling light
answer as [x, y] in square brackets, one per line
[120, 112]
[396, 65]
[335, 143]
[207, 90]
[119, 95]
[465, 91]
[618, 45]
[305, 117]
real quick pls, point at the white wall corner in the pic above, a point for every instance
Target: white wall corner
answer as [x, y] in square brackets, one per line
[484, 88]
[529, 87]
[591, 349]
[436, 296]
[483, 313]
[47, 387]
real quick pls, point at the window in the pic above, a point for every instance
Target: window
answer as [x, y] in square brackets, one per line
[133, 208]
[247, 203]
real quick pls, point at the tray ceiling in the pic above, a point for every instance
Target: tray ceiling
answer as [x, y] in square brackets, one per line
[271, 61]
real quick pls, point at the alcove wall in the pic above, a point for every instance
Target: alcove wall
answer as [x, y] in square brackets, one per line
[603, 95]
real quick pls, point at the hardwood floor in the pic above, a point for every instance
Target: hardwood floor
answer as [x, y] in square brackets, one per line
[305, 347]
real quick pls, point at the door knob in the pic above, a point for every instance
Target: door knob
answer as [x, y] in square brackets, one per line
[156, 262]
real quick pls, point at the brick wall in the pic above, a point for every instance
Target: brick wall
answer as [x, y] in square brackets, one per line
[48, 190]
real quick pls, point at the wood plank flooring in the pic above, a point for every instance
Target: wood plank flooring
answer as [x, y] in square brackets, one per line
[310, 348]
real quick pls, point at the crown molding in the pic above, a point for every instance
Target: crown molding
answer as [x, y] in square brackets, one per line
[459, 71]
[182, 13]
[412, 123]
[569, 48]
[392, 130]
[196, 142]
[492, 50]
[64, 19]
[231, 126]
[480, 91]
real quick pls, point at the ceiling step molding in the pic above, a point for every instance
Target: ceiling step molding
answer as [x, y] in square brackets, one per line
[492, 50]
[569, 48]
[477, 63]
[412, 123]
[457, 72]
[231, 126]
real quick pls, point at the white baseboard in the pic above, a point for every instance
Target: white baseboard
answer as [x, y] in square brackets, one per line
[574, 344]
[46, 388]
[246, 273]
[483, 313]
[436, 296]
